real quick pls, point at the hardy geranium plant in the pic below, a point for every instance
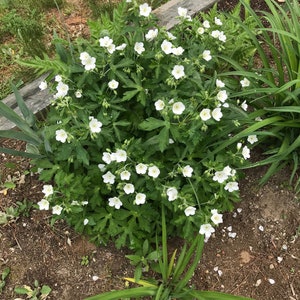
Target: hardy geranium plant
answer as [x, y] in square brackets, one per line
[136, 115]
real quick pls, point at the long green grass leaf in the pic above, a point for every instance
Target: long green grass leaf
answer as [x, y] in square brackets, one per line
[18, 135]
[19, 153]
[130, 293]
[26, 112]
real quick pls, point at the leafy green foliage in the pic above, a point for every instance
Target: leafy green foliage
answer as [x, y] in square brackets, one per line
[275, 85]
[132, 101]
[36, 293]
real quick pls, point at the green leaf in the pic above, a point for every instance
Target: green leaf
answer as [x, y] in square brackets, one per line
[163, 139]
[129, 293]
[151, 123]
[5, 273]
[19, 153]
[9, 185]
[26, 112]
[46, 290]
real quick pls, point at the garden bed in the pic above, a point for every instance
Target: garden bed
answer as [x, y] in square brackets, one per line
[254, 253]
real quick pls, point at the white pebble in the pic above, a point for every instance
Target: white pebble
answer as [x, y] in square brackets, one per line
[284, 247]
[272, 281]
[258, 282]
[95, 277]
[229, 228]
[239, 210]
[279, 259]
[261, 228]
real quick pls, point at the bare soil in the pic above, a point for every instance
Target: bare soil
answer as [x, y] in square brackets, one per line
[261, 261]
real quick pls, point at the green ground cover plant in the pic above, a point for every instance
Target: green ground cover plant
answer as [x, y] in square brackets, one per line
[136, 117]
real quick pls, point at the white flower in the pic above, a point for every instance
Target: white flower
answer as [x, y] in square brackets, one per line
[61, 135]
[246, 152]
[109, 178]
[166, 47]
[220, 83]
[215, 34]
[62, 90]
[172, 193]
[178, 71]
[153, 171]
[145, 10]
[216, 217]
[56, 210]
[217, 114]
[140, 198]
[43, 204]
[78, 94]
[111, 48]
[47, 190]
[187, 171]
[218, 21]
[139, 47]
[128, 188]
[83, 57]
[141, 168]
[206, 55]
[177, 51]
[170, 36]
[244, 106]
[231, 186]
[190, 211]
[58, 78]
[200, 30]
[125, 175]
[106, 157]
[207, 230]
[121, 47]
[220, 176]
[95, 125]
[222, 96]
[115, 202]
[159, 105]
[102, 167]
[182, 12]
[222, 37]
[43, 85]
[252, 139]
[151, 34]
[90, 64]
[105, 41]
[113, 84]
[205, 114]
[178, 108]
[206, 24]
[245, 82]
[85, 221]
[121, 155]
[227, 170]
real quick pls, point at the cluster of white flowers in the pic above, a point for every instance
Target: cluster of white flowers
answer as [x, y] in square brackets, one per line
[252, 139]
[44, 204]
[177, 107]
[87, 61]
[225, 174]
[207, 229]
[128, 188]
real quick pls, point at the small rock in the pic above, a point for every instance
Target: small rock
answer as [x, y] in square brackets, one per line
[258, 282]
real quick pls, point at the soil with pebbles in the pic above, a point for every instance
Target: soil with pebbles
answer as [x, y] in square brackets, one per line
[254, 253]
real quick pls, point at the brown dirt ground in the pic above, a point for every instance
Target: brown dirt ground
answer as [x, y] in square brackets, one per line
[34, 250]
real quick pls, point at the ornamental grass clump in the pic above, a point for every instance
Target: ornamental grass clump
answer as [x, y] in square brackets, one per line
[136, 115]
